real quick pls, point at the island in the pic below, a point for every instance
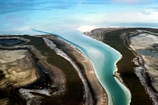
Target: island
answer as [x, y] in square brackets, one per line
[137, 69]
[44, 69]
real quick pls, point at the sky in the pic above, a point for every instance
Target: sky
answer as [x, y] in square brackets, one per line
[21, 16]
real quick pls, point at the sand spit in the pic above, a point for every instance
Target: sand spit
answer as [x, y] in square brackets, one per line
[86, 68]
[87, 94]
[98, 33]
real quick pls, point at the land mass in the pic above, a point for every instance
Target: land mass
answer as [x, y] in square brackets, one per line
[44, 69]
[138, 67]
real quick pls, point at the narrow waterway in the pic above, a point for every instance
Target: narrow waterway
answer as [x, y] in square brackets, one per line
[104, 60]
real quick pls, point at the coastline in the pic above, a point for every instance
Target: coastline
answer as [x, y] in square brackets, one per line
[87, 93]
[98, 93]
[126, 65]
[119, 79]
[95, 85]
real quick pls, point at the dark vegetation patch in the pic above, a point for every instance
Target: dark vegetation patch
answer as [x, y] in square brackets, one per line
[126, 66]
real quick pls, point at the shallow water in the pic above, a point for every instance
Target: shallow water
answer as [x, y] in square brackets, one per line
[103, 58]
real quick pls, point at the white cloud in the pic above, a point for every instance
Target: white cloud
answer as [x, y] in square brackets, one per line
[133, 1]
[86, 28]
[120, 18]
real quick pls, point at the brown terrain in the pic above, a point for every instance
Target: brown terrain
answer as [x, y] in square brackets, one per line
[30, 74]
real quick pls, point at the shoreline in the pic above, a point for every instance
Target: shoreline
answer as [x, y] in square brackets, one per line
[98, 93]
[115, 73]
[103, 97]
[87, 93]
[119, 79]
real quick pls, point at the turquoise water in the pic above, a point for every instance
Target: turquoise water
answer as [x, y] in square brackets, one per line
[103, 58]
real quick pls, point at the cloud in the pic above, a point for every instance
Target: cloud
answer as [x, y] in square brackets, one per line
[146, 12]
[86, 28]
[133, 1]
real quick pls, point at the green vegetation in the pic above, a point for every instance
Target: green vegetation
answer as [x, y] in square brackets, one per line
[126, 66]
[74, 86]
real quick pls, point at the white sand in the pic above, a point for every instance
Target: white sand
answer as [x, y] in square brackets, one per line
[86, 28]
